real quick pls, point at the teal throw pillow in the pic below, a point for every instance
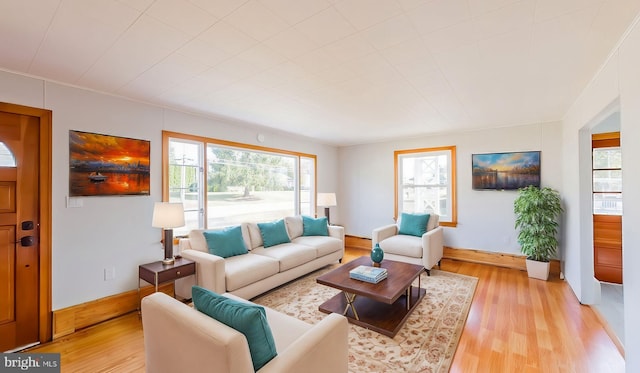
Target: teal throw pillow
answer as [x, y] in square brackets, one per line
[247, 318]
[413, 224]
[225, 242]
[314, 227]
[273, 233]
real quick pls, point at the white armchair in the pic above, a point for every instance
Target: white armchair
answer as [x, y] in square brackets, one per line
[426, 250]
[177, 338]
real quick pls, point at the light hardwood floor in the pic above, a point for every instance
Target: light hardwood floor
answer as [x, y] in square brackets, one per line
[515, 325]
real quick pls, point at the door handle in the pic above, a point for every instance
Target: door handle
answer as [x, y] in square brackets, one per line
[27, 241]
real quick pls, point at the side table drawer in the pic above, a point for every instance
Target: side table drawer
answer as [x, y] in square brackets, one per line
[176, 273]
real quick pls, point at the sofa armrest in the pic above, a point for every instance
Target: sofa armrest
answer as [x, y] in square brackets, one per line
[337, 232]
[210, 271]
[432, 246]
[324, 348]
[382, 233]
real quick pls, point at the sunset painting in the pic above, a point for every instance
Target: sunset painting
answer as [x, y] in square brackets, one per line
[505, 171]
[102, 165]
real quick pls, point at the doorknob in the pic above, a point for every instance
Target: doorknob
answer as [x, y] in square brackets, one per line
[27, 241]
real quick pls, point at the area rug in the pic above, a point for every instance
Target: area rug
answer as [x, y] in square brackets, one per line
[426, 343]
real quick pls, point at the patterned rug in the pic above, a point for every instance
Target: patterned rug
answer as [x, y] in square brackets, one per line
[426, 343]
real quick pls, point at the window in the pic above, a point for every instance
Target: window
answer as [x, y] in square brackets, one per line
[185, 180]
[426, 182]
[607, 175]
[6, 156]
[222, 183]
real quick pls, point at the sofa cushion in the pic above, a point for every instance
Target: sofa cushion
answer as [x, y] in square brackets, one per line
[225, 242]
[243, 270]
[255, 237]
[324, 245]
[273, 233]
[289, 255]
[434, 221]
[403, 245]
[314, 227]
[413, 224]
[294, 226]
[199, 243]
[247, 318]
[285, 329]
[197, 240]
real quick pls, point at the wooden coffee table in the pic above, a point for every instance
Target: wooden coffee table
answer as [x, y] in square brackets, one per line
[383, 307]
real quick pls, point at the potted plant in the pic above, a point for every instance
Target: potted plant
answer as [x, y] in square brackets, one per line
[537, 211]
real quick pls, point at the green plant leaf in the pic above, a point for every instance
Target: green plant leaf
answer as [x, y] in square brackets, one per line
[537, 211]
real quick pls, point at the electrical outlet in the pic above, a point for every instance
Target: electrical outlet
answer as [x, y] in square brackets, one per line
[109, 274]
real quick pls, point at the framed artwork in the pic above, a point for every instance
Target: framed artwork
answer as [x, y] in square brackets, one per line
[505, 171]
[104, 165]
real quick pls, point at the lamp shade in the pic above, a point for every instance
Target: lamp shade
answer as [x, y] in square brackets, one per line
[168, 215]
[326, 199]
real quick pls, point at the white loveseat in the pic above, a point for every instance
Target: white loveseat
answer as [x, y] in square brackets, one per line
[426, 250]
[179, 338]
[261, 269]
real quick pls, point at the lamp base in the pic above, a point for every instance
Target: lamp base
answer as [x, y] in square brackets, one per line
[168, 247]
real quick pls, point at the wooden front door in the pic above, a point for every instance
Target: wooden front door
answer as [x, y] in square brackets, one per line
[607, 248]
[19, 230]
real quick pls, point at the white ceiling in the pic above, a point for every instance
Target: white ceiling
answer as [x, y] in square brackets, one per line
[344, 72]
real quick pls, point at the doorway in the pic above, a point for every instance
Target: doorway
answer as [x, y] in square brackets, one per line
[25, 226]
[606, 211]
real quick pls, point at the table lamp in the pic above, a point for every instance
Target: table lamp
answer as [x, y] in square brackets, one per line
[326, 200]
[167, 216]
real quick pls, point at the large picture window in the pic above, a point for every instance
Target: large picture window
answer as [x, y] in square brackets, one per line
[426, 182]
[222, 183]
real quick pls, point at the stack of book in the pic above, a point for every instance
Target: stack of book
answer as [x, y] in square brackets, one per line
[368, 274]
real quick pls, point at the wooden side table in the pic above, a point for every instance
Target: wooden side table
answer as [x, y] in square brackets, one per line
[157, 273]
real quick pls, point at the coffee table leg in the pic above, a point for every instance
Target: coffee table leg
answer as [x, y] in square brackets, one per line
[350, 299]
[409, 294]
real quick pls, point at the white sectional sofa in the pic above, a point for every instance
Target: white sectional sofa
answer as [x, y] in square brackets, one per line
[261, 269]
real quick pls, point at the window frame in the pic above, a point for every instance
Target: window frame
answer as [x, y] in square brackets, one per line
[206, 141]
[398, 154]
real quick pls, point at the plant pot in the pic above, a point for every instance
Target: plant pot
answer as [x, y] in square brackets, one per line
[539, 270]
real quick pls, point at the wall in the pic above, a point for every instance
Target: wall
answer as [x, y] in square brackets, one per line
[616, 86]
[116, 232]
[630, 133]
[594, 105]
[485, 218]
